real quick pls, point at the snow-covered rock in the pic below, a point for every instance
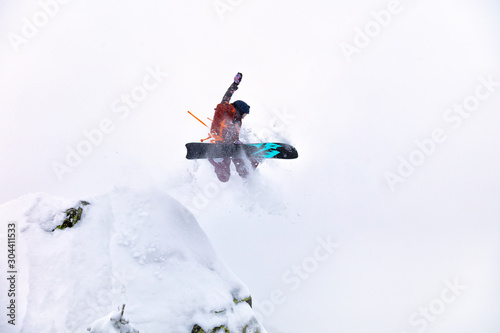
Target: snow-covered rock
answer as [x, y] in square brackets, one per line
[139, 248]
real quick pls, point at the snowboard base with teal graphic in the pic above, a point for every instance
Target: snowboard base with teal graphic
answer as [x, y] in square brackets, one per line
[199, 150]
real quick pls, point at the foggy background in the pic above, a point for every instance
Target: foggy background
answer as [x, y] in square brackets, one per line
[353, 116]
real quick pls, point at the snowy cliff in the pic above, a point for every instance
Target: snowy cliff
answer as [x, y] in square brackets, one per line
[142, 249]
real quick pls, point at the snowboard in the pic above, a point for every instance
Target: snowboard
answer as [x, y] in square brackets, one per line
[197, 150]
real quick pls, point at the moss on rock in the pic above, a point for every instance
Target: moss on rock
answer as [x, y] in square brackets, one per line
[73, 215]
[220, 329]
[247, 299]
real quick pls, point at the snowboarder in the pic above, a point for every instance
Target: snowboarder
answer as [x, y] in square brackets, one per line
[225, 128]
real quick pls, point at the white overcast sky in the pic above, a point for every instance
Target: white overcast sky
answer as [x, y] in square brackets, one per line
[353, 122]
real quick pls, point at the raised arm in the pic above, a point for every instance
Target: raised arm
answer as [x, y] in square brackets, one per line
[234, 86]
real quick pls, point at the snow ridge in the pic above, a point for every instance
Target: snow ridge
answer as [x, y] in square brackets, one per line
[139, 248]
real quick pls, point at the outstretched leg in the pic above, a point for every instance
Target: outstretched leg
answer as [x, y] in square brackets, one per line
[222, 168]
[243, 166]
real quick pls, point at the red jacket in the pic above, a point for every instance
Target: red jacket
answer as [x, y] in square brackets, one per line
[226, 123]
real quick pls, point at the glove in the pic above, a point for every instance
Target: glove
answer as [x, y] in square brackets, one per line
[237, 78]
